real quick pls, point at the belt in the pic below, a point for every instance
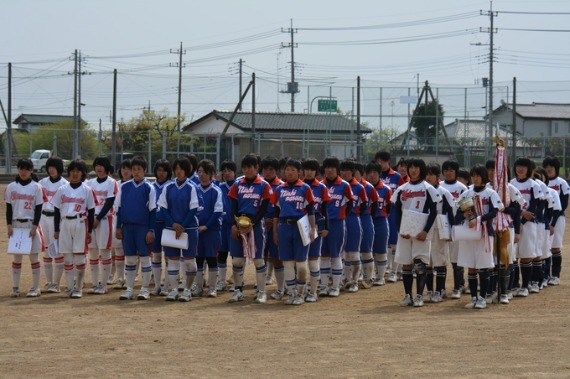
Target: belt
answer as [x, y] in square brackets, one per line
[289, 221]
[71, 217]
[23, 220]
[47, 213]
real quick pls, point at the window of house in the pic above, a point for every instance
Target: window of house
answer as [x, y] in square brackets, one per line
[555, 128]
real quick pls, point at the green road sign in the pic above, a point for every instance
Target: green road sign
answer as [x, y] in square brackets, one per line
[326, 105]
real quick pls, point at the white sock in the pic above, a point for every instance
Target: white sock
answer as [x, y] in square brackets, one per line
[336, 268]
[280, 277]
[69, 272]
[367, 265]
[80, 263]
[156, 265]
[238, 268]
[260, 271]
[120, 263]
[190, 269]
[315, 275]
[290, 279]
[146, 271]
[58, 269]
[131, 270]
[325, 269]
[48, 269]
[173, 269]
[94, 265]
[36, 270]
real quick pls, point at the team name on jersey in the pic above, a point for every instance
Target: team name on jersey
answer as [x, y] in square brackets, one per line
[248, 192]
[455, 194]
[67, 199]
[21, 196]
[412, 194]
[291, 195]
[525, 191]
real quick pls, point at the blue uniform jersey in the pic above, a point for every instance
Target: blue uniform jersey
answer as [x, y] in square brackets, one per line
[179, 200]
[276, 182]
[340, 193]
[136, 203]
[358, 196]
[249, 195]
[292, 199]
[158, 187]
[384, 195]
[227, 203]
[210, 213]
[321, 195]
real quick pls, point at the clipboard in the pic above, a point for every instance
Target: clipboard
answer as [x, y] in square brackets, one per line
[169, 239]
[20, 242]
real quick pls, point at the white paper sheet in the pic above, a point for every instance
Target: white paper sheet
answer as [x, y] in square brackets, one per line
[169, 239]
[20, 242]
[53, 249]
[305, 229]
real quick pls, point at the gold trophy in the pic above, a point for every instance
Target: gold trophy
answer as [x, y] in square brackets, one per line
[468, 203]
[243, 222]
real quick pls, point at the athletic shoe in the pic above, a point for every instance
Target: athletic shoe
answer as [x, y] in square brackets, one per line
[277, 295]
[406, 301]
[466, 290]
[481, 303]
[237, 296]
[456, 294]
[212, 292]
[492, 298]
[144, 294]
[127, 295]
[534, 288]
[393, 278]
[504, 299]
[93, 290]
[120, 285]
[261, 297]
[471, 304]
[289, 299]
[76, 294]
[353, 288]
[334, 292]
[554, 281]
[368, 283]
[34, 292]
[156, 291]
[68, 292]
[419, 301]
[298, 300]
[436, 297]
[311, 298]
[510, 295]
[324, 291]
[101, 290]
[428, 296]
[522, 292]
[232, 288]
[110, 280]
[47, 286]
[543, 284]
[221, 286]
[268, 280]
[54, 288]
[380, 282]
[196, 290]
[172, 295]
[185, 296]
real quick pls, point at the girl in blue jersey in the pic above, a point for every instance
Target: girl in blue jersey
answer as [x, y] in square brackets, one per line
[293, 200]
[338, 209]
[163, 174]
[380, 220]
[179, 203]
[228, 176]
[353, 226]
[210, 225]
[250, 198]
[310, 168]
[136, 217]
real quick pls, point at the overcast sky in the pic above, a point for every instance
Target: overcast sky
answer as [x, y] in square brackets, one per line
[389, 44]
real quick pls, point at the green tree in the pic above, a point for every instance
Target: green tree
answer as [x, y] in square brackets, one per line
[424, 121]
[380, 140]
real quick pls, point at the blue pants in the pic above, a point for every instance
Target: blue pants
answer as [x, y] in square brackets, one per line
[367, 234]
[353, 233]
[192, 246]
[333, 244]
[291, 244]
[209, 243]
[134, 240]
[381, 234]
[236, 247]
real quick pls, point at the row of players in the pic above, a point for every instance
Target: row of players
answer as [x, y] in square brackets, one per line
[355, 212]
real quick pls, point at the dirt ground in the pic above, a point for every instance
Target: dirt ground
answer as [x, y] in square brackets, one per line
[362, 335]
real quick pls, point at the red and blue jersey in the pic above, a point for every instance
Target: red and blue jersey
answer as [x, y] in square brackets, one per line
[358, 196]
[392, 179]
[250, 194]
[276, 182]
[384, 194]
[321, 195]
[371, 193]
[292, 200]
[340, 193]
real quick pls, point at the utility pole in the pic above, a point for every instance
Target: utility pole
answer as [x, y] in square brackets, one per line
[358, 133]
[9, 123]
[75, 150]
[491, 32]
[514, 128]
[292, 86]
[180, 52]
[240, 79]
[114, 122]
